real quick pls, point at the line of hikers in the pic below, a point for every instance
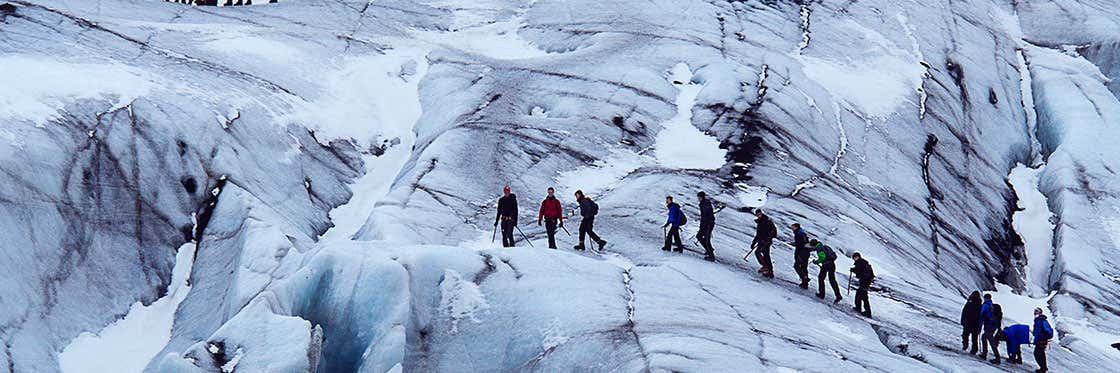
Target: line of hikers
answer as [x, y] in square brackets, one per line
[984, 321]
[551, 212]
[980, 319]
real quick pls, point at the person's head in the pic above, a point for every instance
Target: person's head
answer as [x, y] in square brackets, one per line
[856, 255]
[701, 195]
[988, 296]
[758, 213]
[814, 242]
[668, 199]
[551, 192]
[579, 194]
[795, 226]
[1037, 312]
[505, 191]
[975, 296]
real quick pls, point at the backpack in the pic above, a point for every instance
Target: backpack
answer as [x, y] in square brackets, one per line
[684, 218]
[594, 207]
[1047, 333]
[829, 254]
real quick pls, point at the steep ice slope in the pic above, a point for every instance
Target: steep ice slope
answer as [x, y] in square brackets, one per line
[881, 133]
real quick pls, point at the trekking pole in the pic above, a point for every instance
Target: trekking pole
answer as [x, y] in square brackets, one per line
[524, 236]
[495, 234]
[849, 282]
[565, 230]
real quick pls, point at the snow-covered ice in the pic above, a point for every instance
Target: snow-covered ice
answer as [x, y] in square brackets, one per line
[337, 164]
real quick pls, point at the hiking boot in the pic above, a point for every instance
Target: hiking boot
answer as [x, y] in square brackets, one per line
[602, 243]
[994, 361]
[679, 249]
[866, 314]
[857, 310]
[578, 247]
[838, 299]
[665, 248]
[710, 258]
[804, 285]
[965, 347]
[820, 295]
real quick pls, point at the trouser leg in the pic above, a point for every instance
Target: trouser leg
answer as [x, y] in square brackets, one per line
[589, 223]
[762, 253]
[507, 233]
[863, 301]
[1040, 356]
[820, 281]
[832, 280]
[550, 228]
[985, 341]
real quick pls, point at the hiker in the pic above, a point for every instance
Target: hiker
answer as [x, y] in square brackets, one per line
[707, 224]
[865, 274]
[1042, 335]
[970, 322]
[676, 219]
[993, 326]
[587, 210]
[1015, 336]
[553, 215]
[507, 215]
[763, 238]
[801, 251]
[826, 259]
[987, 316]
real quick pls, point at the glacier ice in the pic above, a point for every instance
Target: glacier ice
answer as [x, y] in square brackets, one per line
[337, 162]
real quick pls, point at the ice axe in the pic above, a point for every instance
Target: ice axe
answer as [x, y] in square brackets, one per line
[495, 234]
[565, 229]
[524, 236]
[747, 257]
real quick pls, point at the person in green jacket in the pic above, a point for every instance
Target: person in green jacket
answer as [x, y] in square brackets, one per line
[826, 259]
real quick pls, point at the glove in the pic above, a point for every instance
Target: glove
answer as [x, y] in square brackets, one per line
[538, 222]
[665, 226]
[495, 223]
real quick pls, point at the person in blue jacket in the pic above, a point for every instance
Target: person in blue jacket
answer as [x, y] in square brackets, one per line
[1016, 335]
[676, 219]
[986, 316]
[1042, 335]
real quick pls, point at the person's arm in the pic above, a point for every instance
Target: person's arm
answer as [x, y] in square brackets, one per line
[514, 217]
[498, 211]
[540, 212]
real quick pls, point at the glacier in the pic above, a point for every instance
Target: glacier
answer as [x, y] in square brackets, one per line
[323, 174]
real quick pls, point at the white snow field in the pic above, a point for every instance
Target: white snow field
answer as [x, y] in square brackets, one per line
[309, 185]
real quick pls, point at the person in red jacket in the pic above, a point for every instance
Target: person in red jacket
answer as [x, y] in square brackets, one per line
[553, 215]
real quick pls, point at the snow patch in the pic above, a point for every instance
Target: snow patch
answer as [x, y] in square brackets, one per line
[261, 48]
[460, 299]
[842, 330]
[367, 97]
[679, 144]
[1033, 223]
[1020, 308]
[752, 196]
[603, 174]
[130, 343]
[395, 118]
[877, 83]
[35, 88]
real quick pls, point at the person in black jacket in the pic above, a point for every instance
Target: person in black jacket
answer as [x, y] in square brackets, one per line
[507, 216]
[970, 322]
[863, 272]
[801, 252]
[587, 209]
[707, 224]
[763, 238]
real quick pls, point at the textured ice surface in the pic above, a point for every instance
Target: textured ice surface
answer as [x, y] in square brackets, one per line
[887, 127]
